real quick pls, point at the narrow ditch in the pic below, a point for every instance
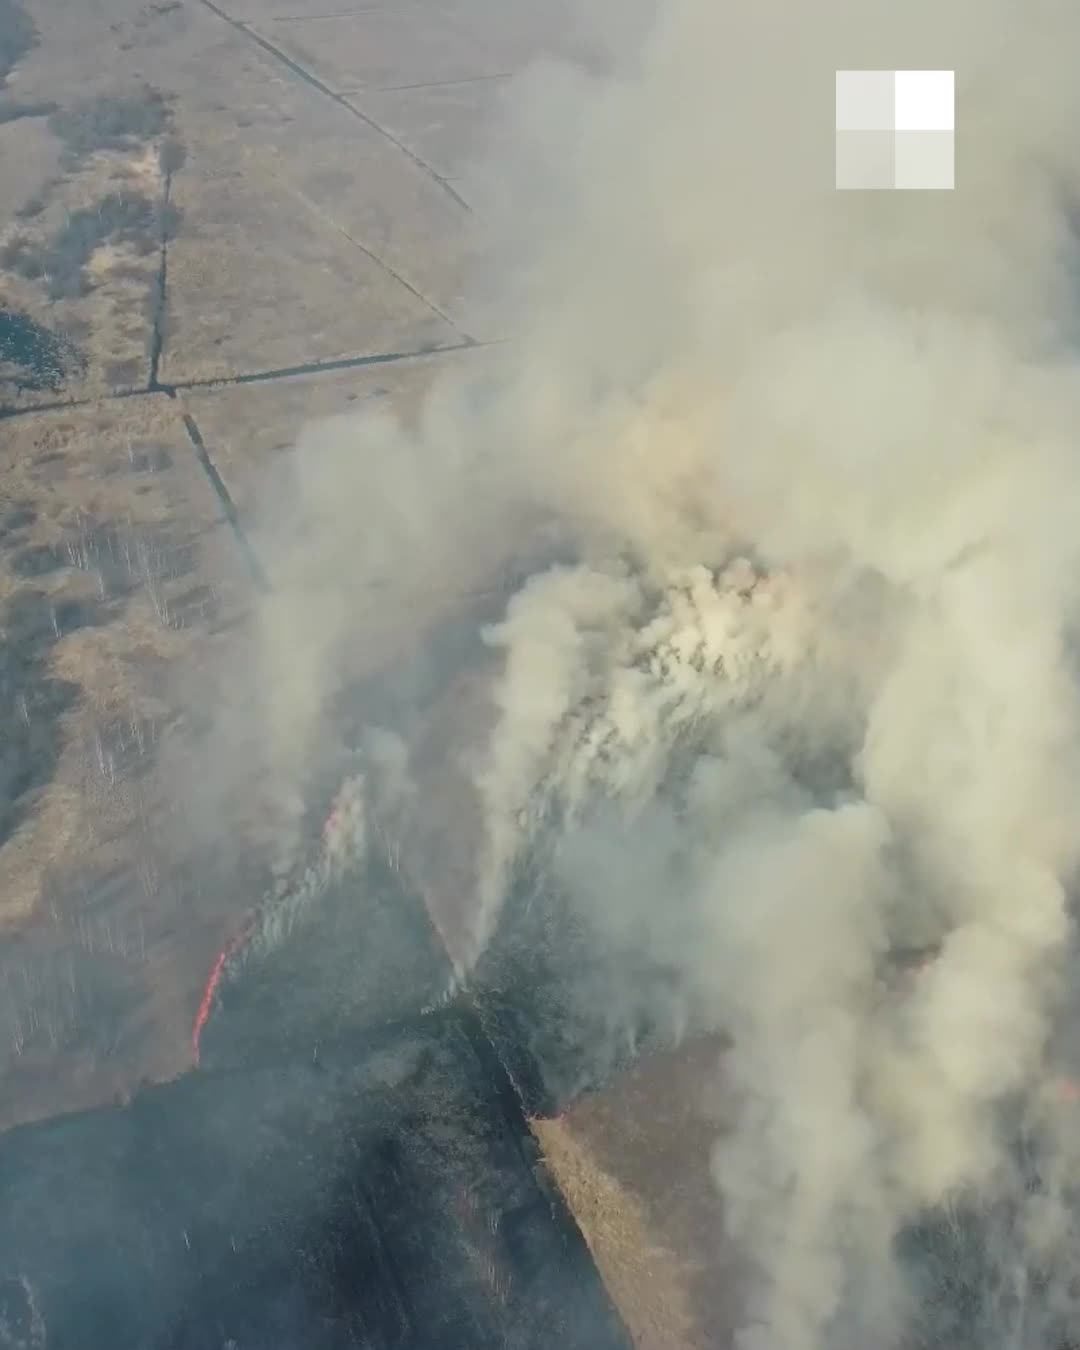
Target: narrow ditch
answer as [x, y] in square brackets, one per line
[323, 367]
[228, 506]
[161, 293]
[252, 377]
[313, 82]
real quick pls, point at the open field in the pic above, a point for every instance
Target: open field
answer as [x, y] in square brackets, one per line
[219, 219]
[203, 244]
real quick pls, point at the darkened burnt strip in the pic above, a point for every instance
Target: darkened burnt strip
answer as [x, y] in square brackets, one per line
[316, 1204]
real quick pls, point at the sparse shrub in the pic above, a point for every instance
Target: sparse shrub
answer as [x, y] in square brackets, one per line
[118, 218]
[109, 122]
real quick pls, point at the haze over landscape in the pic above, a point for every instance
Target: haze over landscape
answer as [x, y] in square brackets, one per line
[505, 414]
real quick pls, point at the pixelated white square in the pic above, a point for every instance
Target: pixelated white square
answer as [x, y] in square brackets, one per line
[895, 129]
[925, 100]
[865, 160]
[865, 100]
[923, 160]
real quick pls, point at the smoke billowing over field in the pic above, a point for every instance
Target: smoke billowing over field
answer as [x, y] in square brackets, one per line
[800, 695]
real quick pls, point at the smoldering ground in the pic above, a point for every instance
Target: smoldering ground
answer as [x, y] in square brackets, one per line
[806, 695]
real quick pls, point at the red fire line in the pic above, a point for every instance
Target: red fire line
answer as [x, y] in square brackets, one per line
[218, 968]
[212, 983]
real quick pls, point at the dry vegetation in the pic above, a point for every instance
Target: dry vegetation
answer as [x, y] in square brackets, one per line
[80, 296]
[647, 1283]
[114, 575]
[632, 1160]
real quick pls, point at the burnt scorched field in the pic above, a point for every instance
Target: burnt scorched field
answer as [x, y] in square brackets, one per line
[386, 1197]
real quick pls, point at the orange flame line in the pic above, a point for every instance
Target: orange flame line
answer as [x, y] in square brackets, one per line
[216, 972]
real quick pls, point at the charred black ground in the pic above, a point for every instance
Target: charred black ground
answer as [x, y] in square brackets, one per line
[390, 1196]
[36, 359]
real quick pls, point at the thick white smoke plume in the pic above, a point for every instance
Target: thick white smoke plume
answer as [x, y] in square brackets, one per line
[808, 699]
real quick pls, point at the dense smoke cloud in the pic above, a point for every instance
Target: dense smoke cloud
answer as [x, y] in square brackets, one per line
[806, 698]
